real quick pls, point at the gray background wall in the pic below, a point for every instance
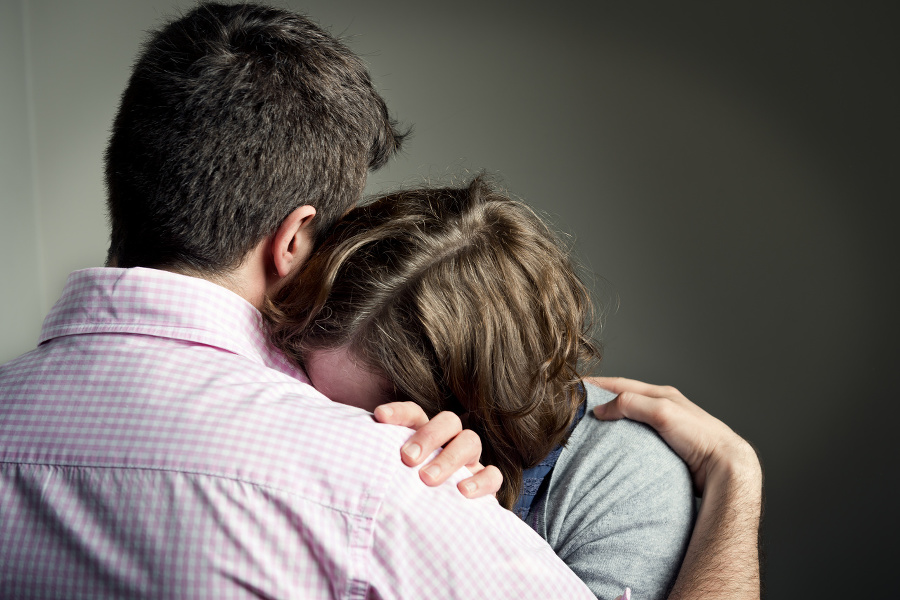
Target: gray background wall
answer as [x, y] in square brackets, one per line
[728, 172]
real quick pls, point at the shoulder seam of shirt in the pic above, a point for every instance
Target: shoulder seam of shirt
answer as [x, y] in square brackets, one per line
[188, 472]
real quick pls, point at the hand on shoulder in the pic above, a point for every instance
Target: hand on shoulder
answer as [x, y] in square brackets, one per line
[722, 559]
[708, 446]
[461, 448]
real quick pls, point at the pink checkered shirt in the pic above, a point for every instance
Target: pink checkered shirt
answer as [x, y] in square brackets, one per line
[155, 446]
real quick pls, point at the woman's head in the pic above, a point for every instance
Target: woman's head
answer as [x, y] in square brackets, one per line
[458, 299]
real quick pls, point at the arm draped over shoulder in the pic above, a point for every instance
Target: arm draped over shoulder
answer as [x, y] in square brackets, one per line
[620, 507]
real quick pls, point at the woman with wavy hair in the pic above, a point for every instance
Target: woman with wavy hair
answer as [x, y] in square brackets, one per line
[462, 299]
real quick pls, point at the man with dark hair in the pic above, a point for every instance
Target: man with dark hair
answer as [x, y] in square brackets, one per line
[233, 117]
[154, 444]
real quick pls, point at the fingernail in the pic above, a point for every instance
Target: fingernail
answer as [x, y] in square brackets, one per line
[386, 411]
[432, 470]
[412, 451]
[470, 487]
[627, 593]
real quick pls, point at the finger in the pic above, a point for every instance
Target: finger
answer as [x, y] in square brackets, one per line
[405, 414]
[618, 385]
[486, 481]
[429, 437]
[655, 412]
[463, 450]
[609, 411]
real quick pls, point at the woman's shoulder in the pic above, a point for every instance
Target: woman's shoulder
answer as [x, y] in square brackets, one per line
[616, 446]
[620, 506]
[617, 463]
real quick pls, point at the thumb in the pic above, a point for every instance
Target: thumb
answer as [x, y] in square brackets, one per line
[609, 411]
[634, 406]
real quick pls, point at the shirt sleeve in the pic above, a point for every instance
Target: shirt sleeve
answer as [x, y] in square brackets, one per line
[434, 543]
[620, 507]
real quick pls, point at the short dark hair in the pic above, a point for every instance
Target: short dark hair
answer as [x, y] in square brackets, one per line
[234, 116]
[466, 301]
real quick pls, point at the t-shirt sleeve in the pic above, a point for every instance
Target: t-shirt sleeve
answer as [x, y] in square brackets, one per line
[434, 543]
[620, 507]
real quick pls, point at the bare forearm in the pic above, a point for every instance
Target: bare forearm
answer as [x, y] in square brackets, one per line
[722, 559]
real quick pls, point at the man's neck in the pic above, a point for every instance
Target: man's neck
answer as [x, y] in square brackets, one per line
[252, 279]
[243, 281]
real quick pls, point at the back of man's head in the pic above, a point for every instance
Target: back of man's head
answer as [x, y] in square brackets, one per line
[233, 117]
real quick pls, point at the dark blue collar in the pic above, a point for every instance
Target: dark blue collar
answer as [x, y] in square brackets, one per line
[533, 478]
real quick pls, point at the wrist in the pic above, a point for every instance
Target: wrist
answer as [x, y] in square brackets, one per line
[735, 465]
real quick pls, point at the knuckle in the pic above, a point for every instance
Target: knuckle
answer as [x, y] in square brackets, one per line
[454, 418]
[408, 407]
[492, 476]
[449, 420]
[669, 391]
[405, 413]
[663, 414]
[464, 449]
[442, 429]
[470, 438]
[449, 456]
[427, 438]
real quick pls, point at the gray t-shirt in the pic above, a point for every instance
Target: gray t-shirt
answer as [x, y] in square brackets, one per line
[619, 508]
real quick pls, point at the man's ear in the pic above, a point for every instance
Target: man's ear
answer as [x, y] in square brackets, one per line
[293, 241]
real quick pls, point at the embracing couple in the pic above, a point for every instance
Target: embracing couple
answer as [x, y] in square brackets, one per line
[196, 421]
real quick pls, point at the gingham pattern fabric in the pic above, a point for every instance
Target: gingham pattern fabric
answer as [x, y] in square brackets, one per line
[154, 446]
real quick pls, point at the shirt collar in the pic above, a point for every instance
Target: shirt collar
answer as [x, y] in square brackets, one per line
[162, 304]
